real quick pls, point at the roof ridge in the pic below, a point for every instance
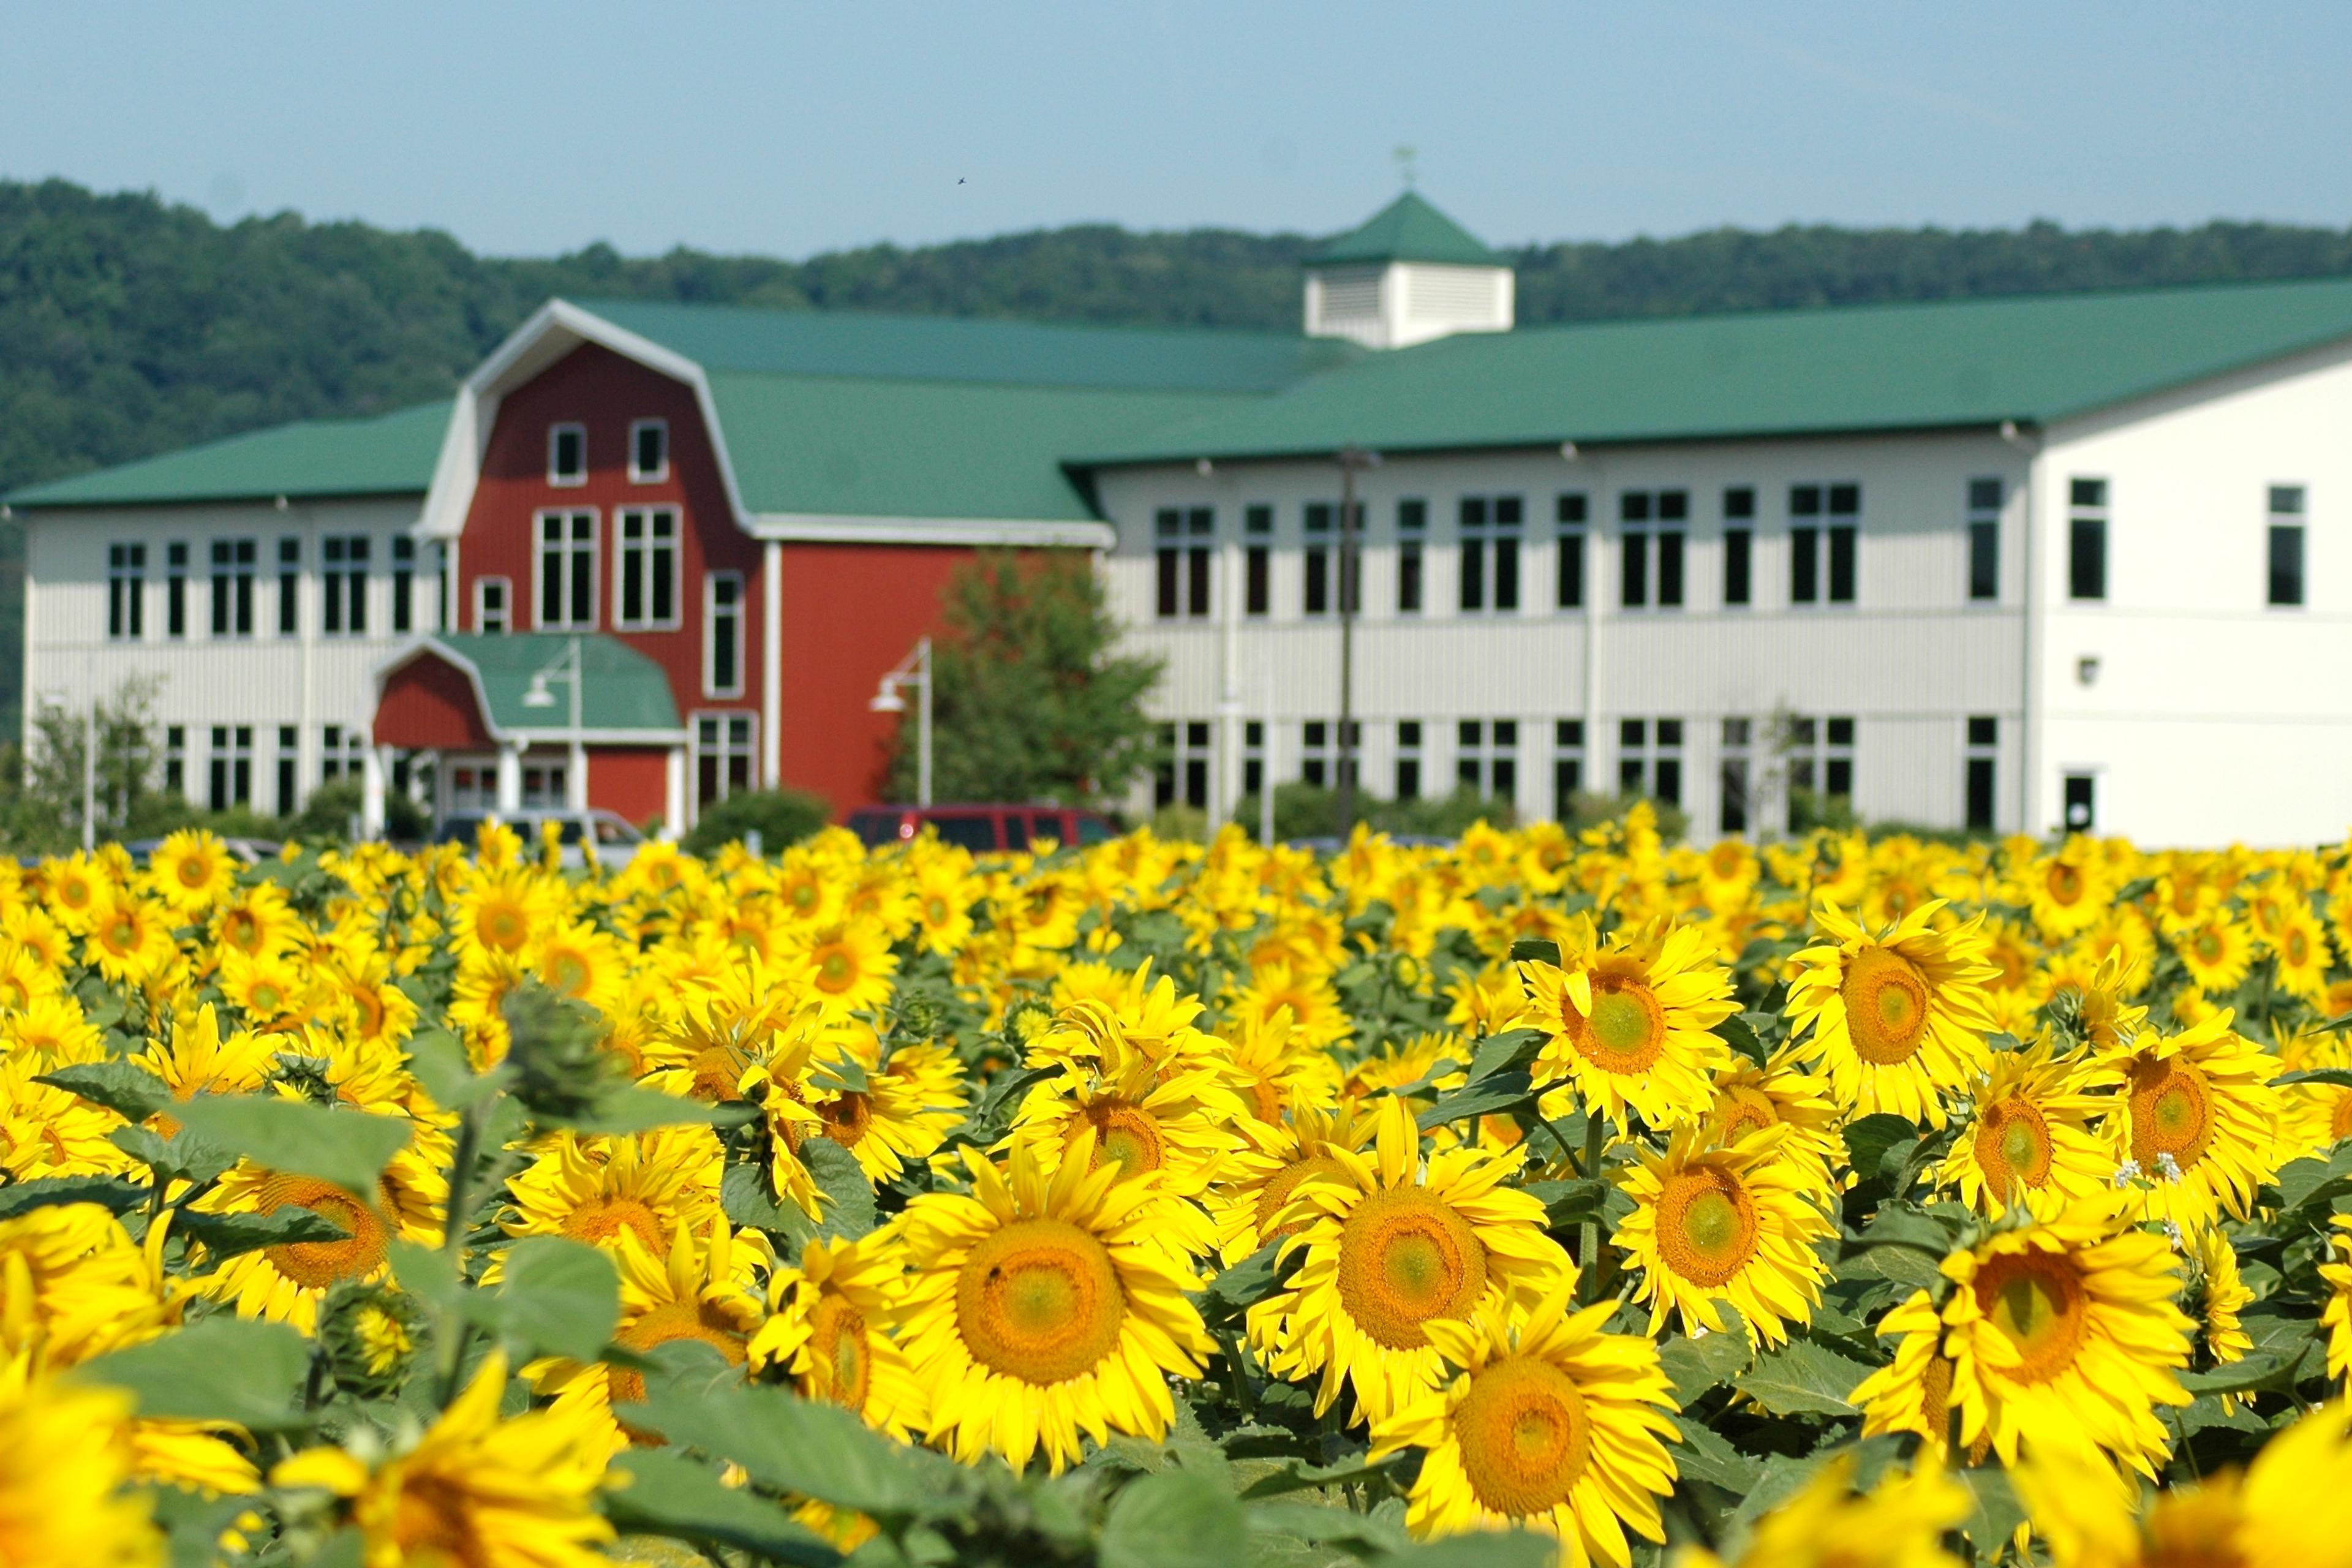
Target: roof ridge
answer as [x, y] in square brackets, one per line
[853, 312]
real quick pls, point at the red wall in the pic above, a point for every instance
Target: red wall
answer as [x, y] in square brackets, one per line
[429, 703]
[595, 388]
[630, 780]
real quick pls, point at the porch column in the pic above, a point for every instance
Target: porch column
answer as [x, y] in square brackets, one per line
[575, 777]
[509, 778]
[771, 665]
[372, 776]
[674, 795]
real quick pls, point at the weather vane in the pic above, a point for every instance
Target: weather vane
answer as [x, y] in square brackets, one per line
[1404, 161]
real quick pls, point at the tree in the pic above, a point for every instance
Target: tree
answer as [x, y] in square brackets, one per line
[1032, 702]
[41, 795]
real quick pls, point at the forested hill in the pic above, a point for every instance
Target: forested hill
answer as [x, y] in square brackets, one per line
[128, 326]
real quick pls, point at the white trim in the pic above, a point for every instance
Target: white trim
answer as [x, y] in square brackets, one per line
[554, 330]
[645, 548]
[556, 478]
[505, 612]
[568, 547]
[771, 665]
[695, 753]
[711, 581]
[821, 528]
[518, 737]
[648, 475]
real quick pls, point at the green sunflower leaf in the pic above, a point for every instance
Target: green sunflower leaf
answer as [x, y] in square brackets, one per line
[1519, 1549]
[1507, 1090]
[662, 1493]
[1802, 1379]
[557, 1296]
[226, 1236]
[348, 1148]
[222, 1369]
[125, 1087]
[43, 1191]
[1535, 950]
[819, 1451]
[1176, 1518]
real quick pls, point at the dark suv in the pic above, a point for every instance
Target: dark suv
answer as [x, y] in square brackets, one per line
[980, 828]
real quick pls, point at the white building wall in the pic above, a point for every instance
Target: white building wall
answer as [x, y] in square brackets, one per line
[1910, 660]
[2212, 715]
[308, 681]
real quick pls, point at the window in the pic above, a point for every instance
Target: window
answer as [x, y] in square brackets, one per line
[442, 617]
[1252, 756]
[649, 450]
[722, 637]
[1984, 540]
[648, 568]
[1567, 768]
[1258, 560]
[1650, 759]
[1486, 758]
[2086, 539]
[1408, 759]
[567, 570]
[126, 590]
[1738, 549]
[2080, 798]
[403, 584]
[175, 759]
[232, 766]
[723, 746]
[1984, 737]
[490, 596]
[1645, 517]
[1182, 776]
[233, 588]
[343, 584]
[1413, 533]
[1490, 533]
[289, 586]
[176, 589]
[1807, 525]
[2285, 544]
[1315, 752]
[544, 787]
[289, 745]
[341, 752]
[1315, 561]
[1821, 757]
[1732, 777]
[1570, 512]
[1183, 561]
[567, 455]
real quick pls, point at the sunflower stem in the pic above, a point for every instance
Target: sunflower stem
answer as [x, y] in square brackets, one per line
[450, 1335]
[1245, 1387]
[1589, 1248]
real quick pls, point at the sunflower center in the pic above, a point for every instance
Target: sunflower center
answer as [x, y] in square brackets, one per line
[2210, 945]
[1885, 1007]
[847, 1117]
[841, 1358]
[2012, 1146]
[502, 926]
[1627, 1029]
[1405, 1257]
[2339, 1125]
[432, 1523]
[664, 1324]
[2037, 1300]
[194, 874]
[1747, 1110]
[315, 1265]
[2064, 882]
[716, 1073]
[2298, 947]
[1707, 1224]
[2171, 1112]
[835, 970]
[1525, 1434]
[242, 932]
[1126, 1135]
[602, 1218]
[1040, 1300]
[567, 972]
[1275, 1196]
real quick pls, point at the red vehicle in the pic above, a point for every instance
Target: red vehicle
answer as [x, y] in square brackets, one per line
[981, 829]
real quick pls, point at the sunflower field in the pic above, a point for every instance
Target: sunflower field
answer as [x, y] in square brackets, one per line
[1539, 1198]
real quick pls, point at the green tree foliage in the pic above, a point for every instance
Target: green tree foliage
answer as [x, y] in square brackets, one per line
[1032, 703]
[41, 787]
[779, 816]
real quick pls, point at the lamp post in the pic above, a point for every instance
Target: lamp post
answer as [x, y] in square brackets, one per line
[915, 670]
[1350, 459]
[565, 669]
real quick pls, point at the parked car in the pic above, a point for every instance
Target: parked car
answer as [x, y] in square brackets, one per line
[248, 851]
[981, 829]
[616, 839]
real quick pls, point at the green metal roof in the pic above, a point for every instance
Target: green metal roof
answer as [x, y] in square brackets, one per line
[1407, 229]
[391, 454]
[862, 346]
[622, 689]
[1880, 367]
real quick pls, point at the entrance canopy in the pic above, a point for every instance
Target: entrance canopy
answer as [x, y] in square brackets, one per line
[456, 691]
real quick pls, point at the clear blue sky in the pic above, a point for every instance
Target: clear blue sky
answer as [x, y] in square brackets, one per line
[527, 128]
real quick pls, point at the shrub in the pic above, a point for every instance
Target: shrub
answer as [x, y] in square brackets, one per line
[779, 816]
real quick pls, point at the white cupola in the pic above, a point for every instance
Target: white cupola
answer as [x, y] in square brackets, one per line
[1408, 275]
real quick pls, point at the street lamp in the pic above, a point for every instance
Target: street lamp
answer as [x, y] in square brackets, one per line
[565, 669]
[1350, 460]
[915, 670]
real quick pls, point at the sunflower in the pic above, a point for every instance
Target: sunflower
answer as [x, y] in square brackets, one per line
[1552, 1424]
[2197, 1117]
[74, 887]
[53, 1028]
[500, 913]
[1389, 1242]
[2069, 890]
[1730, 1224]
[2337, 1316]
[474, 1489]
[2220, 1294]
[1278, 1075]
[829, 1325]
[1898, 1523]
[578, 961]
[1781, 1094]
[78, 1286]
[849, 968]
[65, 1466]
[268, 990]
[902, 1107]
[286, 1283]
[1913, 1393]
[1042, 1306]
[591, 1189]
[257, 922]
[1257, 1183]
[1181, 1131]
[2028, 1142]
[2215, 949]
[1629, 1026]
[129, 937]
[2067, 1331]
[47, 1131]
[2303, 956]
[191, 871]
[709, 1287]
[1897, 1019]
